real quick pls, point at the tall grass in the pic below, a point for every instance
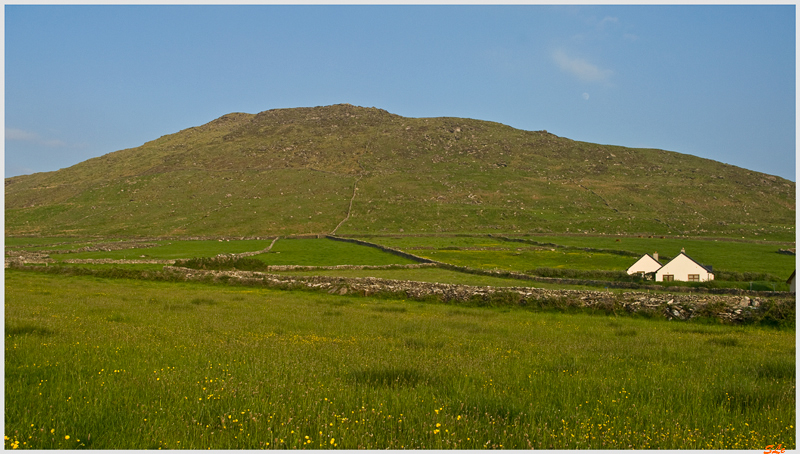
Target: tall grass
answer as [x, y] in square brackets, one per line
[119, 364]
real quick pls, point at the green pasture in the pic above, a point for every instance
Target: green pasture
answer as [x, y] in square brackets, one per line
[311, 252]
[555, 252]
[737, 256]
[724, 255]
[326, 252]
[526, 260]
[523, 254]
[119, 364]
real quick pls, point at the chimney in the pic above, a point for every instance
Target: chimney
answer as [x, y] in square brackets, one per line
[683, 251]
[655, 256]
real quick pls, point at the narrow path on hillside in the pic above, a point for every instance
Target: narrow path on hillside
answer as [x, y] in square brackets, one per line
[600, 197]
[349, 208]
[252, 253]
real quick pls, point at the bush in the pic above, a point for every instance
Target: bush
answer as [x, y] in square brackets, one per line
[778, 314]
[584, 274]
[746, 276]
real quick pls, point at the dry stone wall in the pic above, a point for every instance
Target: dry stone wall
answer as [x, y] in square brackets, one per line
[121, 261]
[382, 248]
[679, 306]
[32, 259]
[349, 267]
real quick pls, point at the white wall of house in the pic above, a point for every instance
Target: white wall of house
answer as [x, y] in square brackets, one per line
[646, 264]
[682, 268]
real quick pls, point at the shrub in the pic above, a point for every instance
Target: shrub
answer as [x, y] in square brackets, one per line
[778, 314]
[584, 274]
[746, 276]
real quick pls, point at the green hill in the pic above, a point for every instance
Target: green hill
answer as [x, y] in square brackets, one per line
[293, 171]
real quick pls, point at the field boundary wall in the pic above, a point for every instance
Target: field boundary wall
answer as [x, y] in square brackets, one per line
[397, 252]
[672, 306]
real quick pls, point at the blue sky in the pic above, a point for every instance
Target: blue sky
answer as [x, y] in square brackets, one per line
[712, 81]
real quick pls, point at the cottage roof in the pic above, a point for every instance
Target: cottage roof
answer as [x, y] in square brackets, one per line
[645, 257]
[705, 267]
[657, 261]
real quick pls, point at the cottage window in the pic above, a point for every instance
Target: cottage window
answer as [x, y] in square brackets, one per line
[669, 278]
[694, 278]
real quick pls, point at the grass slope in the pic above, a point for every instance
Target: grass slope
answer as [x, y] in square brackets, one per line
[295, 170]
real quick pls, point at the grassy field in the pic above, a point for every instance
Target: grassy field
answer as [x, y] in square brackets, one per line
[325, 252]
[316, 252]
[532, 252]
[595, 258]
[119, 364]
[512, 260]
[722, 255]
[725, 255]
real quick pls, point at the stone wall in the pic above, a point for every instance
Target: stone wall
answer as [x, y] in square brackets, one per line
[670, 305]
[382, 248]
[349, 267]
[121, 261]
[107, 247]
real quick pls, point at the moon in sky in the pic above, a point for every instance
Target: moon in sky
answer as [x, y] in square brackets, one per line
[586, 96]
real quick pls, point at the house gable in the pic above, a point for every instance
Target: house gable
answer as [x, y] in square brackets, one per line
[683, 268]
[646, 264]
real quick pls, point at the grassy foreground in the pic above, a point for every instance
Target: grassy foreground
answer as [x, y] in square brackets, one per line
[105, 364]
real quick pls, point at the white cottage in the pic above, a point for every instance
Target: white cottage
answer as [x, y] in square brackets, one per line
[684, 268]
[647, 264]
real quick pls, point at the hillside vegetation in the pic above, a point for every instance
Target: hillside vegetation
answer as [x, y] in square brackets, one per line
[309, 170]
